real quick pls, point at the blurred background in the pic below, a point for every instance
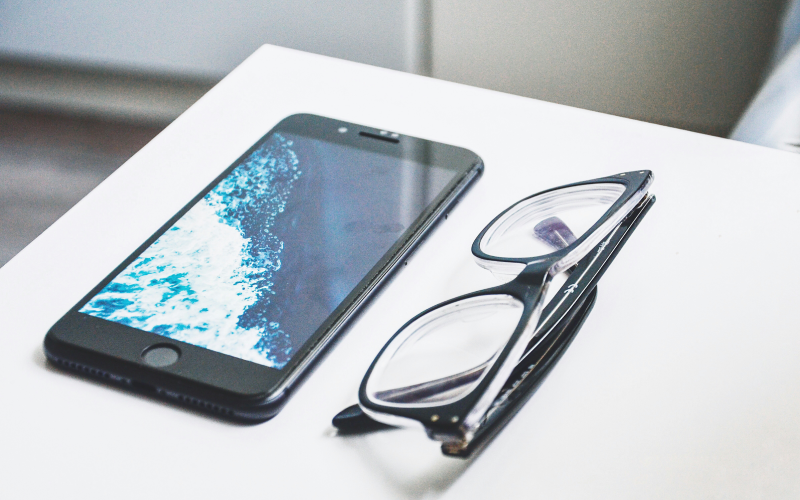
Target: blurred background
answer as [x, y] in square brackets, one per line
[84, 84]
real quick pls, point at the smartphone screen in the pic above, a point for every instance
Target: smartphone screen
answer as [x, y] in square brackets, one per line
[257, 264]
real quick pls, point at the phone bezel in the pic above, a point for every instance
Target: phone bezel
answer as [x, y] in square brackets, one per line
[226, 380]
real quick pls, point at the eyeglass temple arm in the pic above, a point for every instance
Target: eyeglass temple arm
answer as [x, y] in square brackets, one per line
[587, 273]
[527, 377]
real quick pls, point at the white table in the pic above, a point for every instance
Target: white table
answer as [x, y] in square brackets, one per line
[683, 383]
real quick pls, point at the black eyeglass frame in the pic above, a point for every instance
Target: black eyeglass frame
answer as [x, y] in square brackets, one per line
[559, 324]
[446, 422]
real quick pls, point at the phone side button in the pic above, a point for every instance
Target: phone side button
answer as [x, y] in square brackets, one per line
[161, 355]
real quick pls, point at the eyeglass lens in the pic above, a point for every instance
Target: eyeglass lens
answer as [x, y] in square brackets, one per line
[545, 223]
[441, 356]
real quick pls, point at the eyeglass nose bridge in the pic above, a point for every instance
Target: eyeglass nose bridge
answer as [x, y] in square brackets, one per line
[535, 274]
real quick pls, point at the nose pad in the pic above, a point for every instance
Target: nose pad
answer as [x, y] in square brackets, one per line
[555, 233]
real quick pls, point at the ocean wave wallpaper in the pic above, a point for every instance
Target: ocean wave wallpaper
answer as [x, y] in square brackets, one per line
[258, 264]
[206, 279]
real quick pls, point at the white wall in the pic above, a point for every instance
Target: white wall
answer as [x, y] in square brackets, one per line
[208, 38]
[690, 63]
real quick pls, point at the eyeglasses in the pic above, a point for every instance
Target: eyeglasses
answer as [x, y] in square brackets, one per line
[463, 368]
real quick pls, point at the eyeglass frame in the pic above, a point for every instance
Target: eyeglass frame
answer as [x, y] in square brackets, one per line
[559, 324]
[455, 422]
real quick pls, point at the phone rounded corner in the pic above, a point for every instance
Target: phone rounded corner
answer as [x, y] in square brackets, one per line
[294, 117]
[471, 157]
[52, 342]
[266, 409]
[480, 166]
[49, 345]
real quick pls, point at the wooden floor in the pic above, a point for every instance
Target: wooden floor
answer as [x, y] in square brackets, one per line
[49, 162]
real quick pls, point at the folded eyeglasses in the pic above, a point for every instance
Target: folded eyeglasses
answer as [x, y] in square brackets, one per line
[463, 368]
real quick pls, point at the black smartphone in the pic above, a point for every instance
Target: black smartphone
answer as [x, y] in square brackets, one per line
[229, 304]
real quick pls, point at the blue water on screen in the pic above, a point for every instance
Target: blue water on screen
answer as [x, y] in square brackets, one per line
[258, 264]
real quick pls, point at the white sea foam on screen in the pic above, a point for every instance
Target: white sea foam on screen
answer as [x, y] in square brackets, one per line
[183, 277]
[196, 280]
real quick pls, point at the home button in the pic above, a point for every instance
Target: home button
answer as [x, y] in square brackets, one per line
[161, 355]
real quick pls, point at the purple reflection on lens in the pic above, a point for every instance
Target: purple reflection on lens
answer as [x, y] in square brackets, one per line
[554, 232]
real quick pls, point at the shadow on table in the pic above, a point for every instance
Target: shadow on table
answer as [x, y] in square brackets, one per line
[407, 460]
